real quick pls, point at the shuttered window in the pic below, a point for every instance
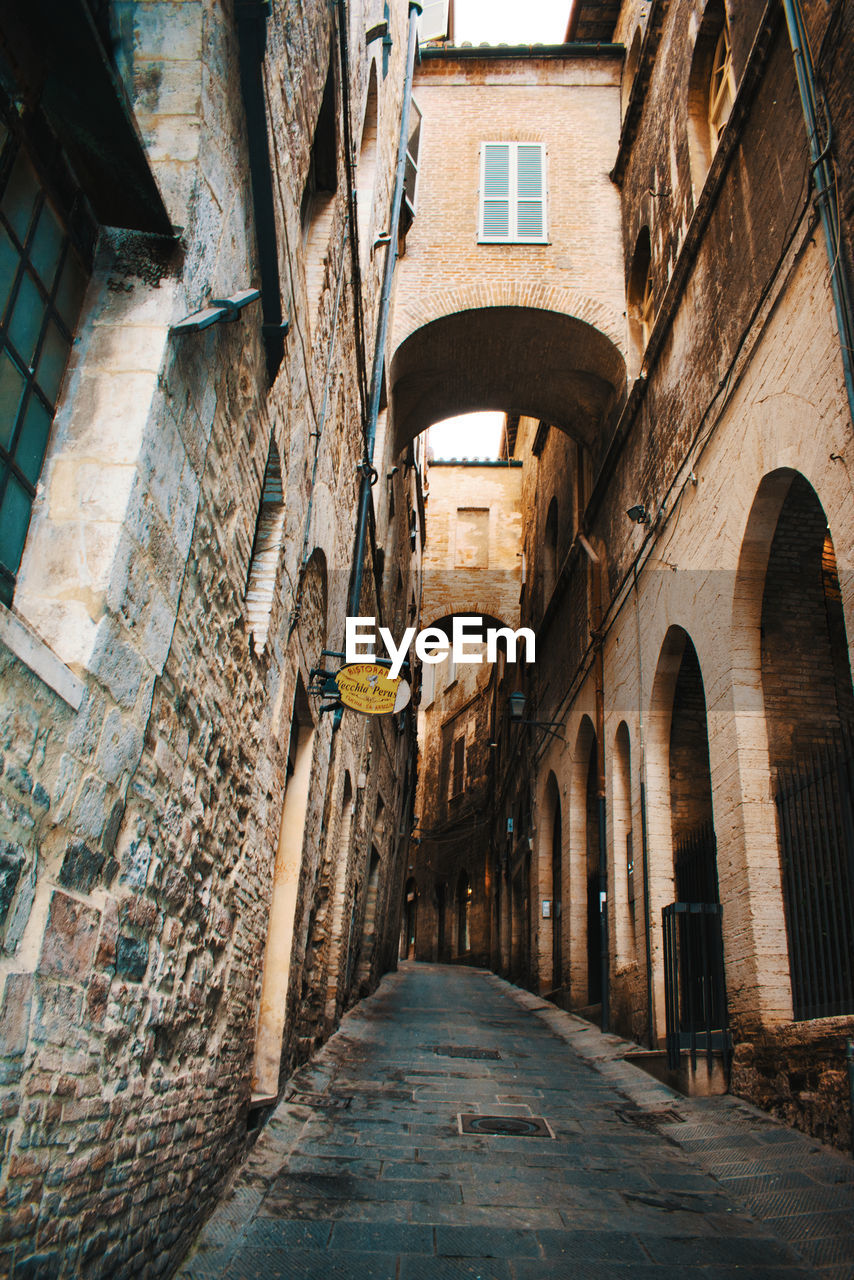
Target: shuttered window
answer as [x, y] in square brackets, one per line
[433, 23]
[512, 193]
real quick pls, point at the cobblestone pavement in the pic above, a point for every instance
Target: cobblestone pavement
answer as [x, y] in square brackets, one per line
[368, 1175]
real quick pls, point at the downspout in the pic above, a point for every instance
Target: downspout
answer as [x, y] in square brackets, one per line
[599, 681]
[366, 467]
[825, 192]
[650, 1023]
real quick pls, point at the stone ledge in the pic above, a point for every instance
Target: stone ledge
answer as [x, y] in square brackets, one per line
[42, 661]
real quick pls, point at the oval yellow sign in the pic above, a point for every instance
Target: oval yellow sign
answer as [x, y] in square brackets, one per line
[366, 687]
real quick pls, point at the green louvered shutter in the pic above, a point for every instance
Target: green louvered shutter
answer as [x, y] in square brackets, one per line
[512, 193]
[495, 191]
[530, 191]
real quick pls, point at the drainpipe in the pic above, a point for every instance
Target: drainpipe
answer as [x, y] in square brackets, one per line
[650, 1024]
[366, 467]
[599, 680]
[812, 101]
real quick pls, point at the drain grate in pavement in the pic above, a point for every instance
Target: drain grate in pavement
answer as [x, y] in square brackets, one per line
[465, 1051]
[506, 1126]
[320, 1101]
[648, 1119]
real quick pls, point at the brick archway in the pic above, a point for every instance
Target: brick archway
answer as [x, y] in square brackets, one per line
[515, 357]
[532, 294]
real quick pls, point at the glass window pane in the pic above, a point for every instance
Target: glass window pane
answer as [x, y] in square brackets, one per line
[26, 320]
[47, 246]
[32, 440]
[69, 295]
[9, 262]
[20, 196]
[14, 519]
[52, 362]
[11, 390]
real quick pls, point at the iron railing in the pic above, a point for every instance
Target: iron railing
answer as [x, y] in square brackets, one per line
[695, 864]
[816, 822]
[694, 983]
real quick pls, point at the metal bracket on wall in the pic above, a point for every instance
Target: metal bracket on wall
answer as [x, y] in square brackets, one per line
[219, 310]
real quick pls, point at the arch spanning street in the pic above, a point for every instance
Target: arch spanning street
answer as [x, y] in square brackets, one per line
[550, 970]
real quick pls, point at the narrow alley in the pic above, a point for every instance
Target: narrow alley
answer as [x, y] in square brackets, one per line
[381, 1164]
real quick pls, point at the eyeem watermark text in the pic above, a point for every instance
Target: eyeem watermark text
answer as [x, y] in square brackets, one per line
[432, 644]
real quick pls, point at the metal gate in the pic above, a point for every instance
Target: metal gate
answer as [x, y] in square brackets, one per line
[816, 821]
[694, 983]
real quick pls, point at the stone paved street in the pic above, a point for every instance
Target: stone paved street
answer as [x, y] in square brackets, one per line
[385, 1186]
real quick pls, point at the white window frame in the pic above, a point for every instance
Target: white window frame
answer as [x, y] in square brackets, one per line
[433, 22]
[413, 161]
[512, 236]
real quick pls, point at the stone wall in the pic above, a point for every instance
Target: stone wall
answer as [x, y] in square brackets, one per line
[145, 732]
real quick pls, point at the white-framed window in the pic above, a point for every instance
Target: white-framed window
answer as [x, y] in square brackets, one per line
[413, 148]
[512, 193]
[433, 23]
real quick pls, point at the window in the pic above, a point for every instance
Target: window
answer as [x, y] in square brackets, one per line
[458, 766]
[641, 298]
[550, 553]
[471, 542]
[410, 175]
[264, 563]
[366, 173]
[317, 206]
[434, 21]
[512, 193]
[711, 91]
[721, 86]
[42, 280]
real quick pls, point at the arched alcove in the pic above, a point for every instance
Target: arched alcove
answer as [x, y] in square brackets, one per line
[552, 823]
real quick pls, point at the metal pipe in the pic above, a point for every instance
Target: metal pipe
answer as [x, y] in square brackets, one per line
[825, 195]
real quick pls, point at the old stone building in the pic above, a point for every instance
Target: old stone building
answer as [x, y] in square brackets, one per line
[249, 253]
[649, 245]
[199, 868]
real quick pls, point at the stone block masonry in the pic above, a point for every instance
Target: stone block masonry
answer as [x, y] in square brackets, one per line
[145, 738]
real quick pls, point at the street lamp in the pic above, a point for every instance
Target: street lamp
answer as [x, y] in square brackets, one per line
[516, 712]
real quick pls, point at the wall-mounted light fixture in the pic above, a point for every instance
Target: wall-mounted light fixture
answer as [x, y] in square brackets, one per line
[639, 514]
[516, 712]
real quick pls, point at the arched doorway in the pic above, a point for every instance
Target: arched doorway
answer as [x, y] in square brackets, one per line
[410, 912]
[594, 905]
[369, 928]
[464, 897]
[694, 977]
[809, 717]
[553, 806]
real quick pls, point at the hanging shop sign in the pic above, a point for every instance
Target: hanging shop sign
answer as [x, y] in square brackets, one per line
[367, 687]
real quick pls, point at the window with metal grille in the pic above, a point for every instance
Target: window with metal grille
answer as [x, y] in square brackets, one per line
[512, 193]
[43, 276]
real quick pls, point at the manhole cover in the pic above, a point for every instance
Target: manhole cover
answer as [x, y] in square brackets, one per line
[506, 1126]
[648, 1119]
[465, 1051]
[320, 1101]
